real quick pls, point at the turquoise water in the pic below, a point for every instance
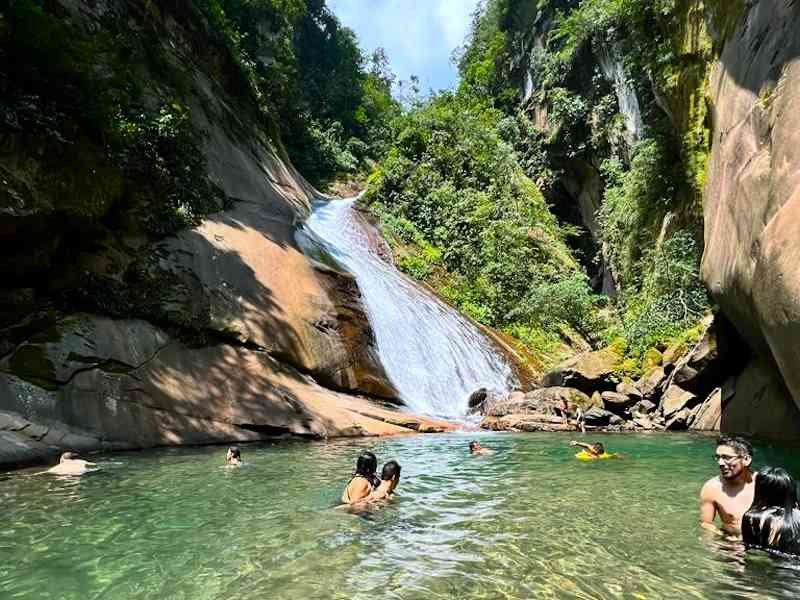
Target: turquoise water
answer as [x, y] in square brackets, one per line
[529, 521]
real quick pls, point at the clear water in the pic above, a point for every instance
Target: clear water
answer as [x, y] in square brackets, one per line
[433, 355]
[527, 522]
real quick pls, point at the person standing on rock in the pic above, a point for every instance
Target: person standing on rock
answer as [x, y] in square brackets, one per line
[580, 419]
[730, 494]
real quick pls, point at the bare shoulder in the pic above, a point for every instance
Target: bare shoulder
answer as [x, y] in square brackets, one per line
[711, 488]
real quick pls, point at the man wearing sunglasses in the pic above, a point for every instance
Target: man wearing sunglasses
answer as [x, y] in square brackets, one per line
[730, 494]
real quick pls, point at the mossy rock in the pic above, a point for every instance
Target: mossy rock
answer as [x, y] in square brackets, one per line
[652, 358]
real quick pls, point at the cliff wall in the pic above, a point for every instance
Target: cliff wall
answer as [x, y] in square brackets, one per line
[152, 289]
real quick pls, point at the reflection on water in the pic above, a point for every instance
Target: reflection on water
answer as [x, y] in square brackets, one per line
[527, 522]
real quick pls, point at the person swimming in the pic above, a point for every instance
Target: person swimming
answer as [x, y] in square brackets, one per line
[772, 523]
[730, 494]
[363, 481]
[234, 456]
[476, 448]
[390, 476]
[70, 464]
[591, 451]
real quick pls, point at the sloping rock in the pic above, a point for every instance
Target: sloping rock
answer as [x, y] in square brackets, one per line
[676, 399]
[643, 407]
[525, 422]
[709, 416]
[140, 388]
[597, 417]
[588, 372]
[628, 388]
[751, 262]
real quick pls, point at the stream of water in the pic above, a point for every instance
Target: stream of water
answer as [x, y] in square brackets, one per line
[435, 357]
[529, 521]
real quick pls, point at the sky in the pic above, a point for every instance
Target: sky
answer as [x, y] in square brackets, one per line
[419, 36]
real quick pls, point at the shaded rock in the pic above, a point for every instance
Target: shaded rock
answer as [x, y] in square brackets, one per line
[678, 421]
[628, 388]
[617, 403]
[752, 206]
[477, 397]
[761, 405]
[643, 407]
[597, 417]
[676, 399]
[672, 355]
[588, 372]
[649, 384]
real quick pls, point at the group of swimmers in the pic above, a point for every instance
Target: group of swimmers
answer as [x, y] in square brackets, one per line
[761, 506]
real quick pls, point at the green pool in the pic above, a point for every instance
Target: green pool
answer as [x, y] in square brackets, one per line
[527, 522]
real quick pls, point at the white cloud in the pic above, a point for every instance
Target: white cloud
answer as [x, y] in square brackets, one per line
[418, 35]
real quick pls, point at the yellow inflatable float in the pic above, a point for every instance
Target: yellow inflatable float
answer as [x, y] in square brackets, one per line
[584, 455]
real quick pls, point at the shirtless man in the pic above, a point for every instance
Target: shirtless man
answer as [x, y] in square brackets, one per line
[70, 464]
[476, 448]
[730, 494]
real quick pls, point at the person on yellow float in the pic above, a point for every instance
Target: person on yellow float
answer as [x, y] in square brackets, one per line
[592, 451]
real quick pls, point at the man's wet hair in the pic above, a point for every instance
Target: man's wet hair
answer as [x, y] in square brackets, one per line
[235, 452]
[391, 470]
[473, 444]
[598, 448]
[739, 444]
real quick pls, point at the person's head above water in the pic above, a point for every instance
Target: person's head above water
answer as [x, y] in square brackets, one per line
[775, 487]
[68, 456]
[474, 446]
[391, 472]
[598, 448]
[366, 465]
[734, 456]
[233, 455]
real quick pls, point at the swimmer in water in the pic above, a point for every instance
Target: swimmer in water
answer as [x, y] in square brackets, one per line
[70, 464]
[363, 481]
[476, 448]
[233, 457]
[390, 476]
[594, 450]
[730, 494]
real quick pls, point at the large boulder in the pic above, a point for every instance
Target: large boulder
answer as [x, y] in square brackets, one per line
[100, 383]
[676, 399]
[759, 405]
[751, 262]
[547, 401]
[588, 372]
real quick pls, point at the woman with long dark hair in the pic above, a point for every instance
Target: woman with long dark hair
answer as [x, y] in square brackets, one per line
[363, 481]
[773, 521]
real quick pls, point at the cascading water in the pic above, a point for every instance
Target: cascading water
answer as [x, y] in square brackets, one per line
[433, 355]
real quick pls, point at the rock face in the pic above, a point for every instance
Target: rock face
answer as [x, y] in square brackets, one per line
[222, 331]
[752, 209]
[588, 372]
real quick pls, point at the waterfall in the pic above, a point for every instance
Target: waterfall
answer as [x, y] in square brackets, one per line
[433, 355]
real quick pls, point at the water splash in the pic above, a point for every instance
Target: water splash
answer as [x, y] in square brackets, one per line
[433, 355]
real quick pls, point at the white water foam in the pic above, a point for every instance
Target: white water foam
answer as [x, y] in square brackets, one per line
[434, 356]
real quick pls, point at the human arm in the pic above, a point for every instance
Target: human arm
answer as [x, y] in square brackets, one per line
[587, 447]
[708, 507]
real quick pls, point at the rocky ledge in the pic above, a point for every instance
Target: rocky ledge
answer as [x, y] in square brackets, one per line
[682, 388]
